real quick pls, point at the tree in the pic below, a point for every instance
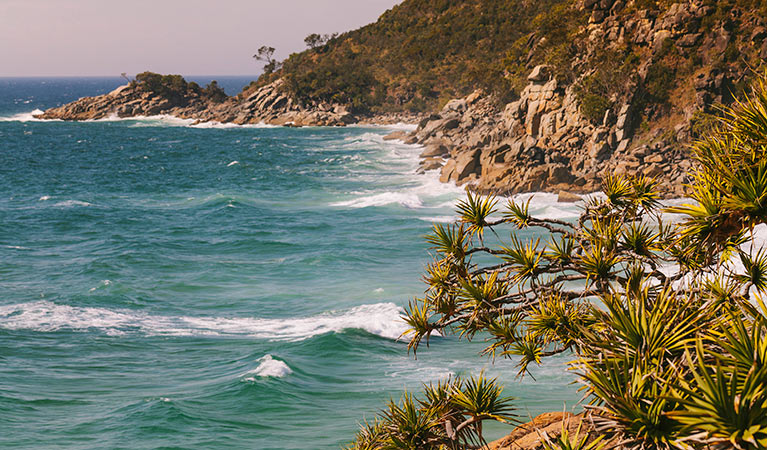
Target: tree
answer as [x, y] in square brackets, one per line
[314, 40]
[266, 53]
[664, 320]
[214, 92]
[172, 87]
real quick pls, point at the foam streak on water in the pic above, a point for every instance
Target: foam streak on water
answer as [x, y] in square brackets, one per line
[382, 319]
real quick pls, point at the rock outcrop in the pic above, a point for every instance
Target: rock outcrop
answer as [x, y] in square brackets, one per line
[543, 140]
[269, 104]
[540, 142]
[530, 436]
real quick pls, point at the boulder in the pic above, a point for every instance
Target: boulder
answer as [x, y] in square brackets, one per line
[430, 164]
[398, 135]
[466, 164]
[568, 197]
[436, 149]
[540, 73]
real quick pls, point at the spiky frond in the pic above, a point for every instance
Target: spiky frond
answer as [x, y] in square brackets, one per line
[640, 239]
[599, 264]
[518, 213]
[731, 412]
[755, 269]
[525, 259]
[560, 250]
[645, 193]
[618, 190]
[556, 319]
[566, 441]
[418, 318]
[451, 241]
[480, 398]
[474, 212]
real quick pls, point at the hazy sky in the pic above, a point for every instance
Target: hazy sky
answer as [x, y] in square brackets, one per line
[190, 37]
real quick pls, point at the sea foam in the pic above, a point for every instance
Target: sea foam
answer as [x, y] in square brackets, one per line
[268, 367]
[382, 319]
[23, 117]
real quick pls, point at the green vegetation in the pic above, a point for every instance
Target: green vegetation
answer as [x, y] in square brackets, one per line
[176, 89]
[213, 92]
[450, 415]
[664, 320]
[421, 53]
[266, 54]
[172, 87]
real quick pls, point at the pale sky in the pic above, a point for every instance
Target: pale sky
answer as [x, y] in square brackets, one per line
[190, 37]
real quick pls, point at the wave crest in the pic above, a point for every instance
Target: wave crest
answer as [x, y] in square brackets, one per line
[269, 367]
[382, 319]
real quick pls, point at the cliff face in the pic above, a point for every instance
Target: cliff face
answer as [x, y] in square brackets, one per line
[268, 104]
[672, 65]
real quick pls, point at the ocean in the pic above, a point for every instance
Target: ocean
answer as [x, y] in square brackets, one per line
[164, 285]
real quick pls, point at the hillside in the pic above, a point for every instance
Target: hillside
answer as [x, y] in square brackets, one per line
[422, 53]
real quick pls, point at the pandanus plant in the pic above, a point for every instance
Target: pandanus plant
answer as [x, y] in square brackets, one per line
[660, 307]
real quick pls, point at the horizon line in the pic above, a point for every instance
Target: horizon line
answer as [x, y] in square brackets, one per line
[119, 76]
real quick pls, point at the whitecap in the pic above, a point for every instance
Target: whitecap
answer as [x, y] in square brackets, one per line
[103, 284]
[439, 219]
[44, 198]
[72, 203]
[406, 199]
[23, 117]
[228, 125]
[232, 163]
[269, 367]
[382, 319]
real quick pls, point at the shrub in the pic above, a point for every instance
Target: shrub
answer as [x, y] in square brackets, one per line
[659, 82]
[172, 87]
[214, 92]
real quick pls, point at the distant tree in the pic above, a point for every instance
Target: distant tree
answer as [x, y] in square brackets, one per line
[314, 40]
[125, 75]
[266, 54]
[214, 92]
[172, 87]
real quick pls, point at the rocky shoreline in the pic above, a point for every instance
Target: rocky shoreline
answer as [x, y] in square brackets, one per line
[266, 105]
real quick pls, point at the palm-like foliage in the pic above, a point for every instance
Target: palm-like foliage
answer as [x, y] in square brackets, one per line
[577, 441]
[450, 415]
[474, 211]
[667, 339]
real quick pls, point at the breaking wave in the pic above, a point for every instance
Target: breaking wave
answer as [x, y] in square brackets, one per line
[382, 319]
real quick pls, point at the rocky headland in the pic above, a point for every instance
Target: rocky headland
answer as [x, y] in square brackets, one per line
[268, 105]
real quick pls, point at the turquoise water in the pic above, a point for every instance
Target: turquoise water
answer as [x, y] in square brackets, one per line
[163, 285]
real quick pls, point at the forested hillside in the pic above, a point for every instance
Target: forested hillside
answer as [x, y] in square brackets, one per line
[422, 53]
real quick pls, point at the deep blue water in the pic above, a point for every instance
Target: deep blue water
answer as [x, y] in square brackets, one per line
[163, 285]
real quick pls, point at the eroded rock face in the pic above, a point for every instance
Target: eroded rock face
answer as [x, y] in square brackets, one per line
[269, 104]
[540, 142]
[543, 142]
